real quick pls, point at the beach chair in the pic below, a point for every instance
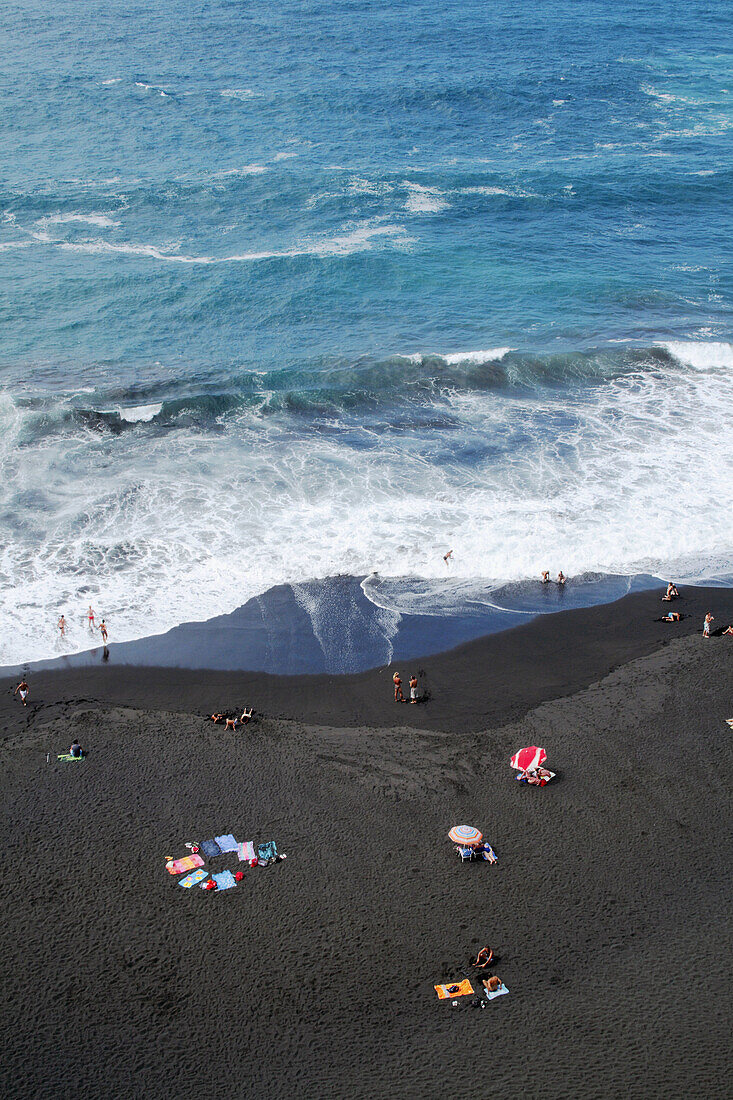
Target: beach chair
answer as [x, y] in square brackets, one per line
[266, 853]
[466, 854]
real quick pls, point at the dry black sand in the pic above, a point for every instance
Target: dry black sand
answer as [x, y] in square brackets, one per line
[609, 908]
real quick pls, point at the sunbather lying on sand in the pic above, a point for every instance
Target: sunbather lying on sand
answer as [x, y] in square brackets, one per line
[535, 776]
[728, 630]
[217, 718]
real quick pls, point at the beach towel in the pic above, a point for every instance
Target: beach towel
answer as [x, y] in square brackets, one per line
[266, 852]
[210, 848]
[67, 757]
[227, 843]
[191, 880]
[497, 992]
[178, 866]
[547, 780]
[224, 880]
[246, 851]
[462, 989]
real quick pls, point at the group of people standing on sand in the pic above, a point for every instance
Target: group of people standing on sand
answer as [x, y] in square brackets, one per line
[62, 624]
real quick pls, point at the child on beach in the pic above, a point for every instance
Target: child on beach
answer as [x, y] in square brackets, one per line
[706, 625]
[22, 690]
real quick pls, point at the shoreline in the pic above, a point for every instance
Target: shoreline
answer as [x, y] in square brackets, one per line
[478, 682]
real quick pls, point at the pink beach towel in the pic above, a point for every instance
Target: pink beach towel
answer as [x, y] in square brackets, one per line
[246, 851]
[188, 863]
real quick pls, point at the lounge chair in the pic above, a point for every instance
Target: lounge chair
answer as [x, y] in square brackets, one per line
[465, 853]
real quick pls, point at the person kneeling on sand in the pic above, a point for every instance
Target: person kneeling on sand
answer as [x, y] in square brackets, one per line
[671, 617]
[491, 984]
[671, 593]
[483, 959]
[76, 749]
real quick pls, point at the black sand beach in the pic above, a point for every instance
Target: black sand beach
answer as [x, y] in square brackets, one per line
[609, 908]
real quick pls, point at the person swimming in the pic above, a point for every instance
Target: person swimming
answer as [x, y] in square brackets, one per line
[545, 576]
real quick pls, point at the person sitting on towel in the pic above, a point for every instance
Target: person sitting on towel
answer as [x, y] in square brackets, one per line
[76, 750]
[485, 851]
[483, 959]
[491, 984]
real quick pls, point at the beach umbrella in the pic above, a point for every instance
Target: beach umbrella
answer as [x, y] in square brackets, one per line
[466, 835]
[531, 757]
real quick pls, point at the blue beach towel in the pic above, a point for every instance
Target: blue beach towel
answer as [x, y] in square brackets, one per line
[190, 880]
[266, 852]
[497, 992]
[227, 843]
[224, 880]
[210, 848]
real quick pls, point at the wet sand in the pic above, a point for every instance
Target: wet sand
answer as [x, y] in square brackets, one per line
[609, 907]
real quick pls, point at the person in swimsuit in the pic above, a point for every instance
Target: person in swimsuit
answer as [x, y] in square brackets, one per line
[22, 690]
[671, 616]
[706, 625]
[561, 578]
[545, 576]
[491, 984]
[90, 617]
[483, 959]
[413, 688]
[103, 631]
[728, 630]
[62, 626]
[536, 776]
[671, 593]
[398, 696]
[447, 557]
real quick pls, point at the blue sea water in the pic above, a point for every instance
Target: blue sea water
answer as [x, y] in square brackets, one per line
[295, 290]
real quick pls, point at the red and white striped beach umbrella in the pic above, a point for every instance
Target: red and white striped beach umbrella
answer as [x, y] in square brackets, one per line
[531, 757]
[465, 835]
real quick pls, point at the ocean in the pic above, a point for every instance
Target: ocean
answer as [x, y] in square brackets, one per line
[301, 290]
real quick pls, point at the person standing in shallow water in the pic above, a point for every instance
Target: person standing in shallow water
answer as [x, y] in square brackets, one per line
[90, 617]
[62, 626]
[103, 631]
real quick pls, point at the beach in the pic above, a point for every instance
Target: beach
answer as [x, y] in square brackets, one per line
[607, 908]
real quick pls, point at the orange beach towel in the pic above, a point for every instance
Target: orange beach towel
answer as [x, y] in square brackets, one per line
[464, 989]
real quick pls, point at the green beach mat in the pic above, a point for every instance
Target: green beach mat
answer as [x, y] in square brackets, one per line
[67, 757]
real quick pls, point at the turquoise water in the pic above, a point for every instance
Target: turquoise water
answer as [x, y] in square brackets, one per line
[308, 289]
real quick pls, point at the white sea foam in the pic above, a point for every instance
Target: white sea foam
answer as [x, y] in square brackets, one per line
[476, 357]
[359, 238]
[633, 474]
[139, 413]
[112, 80]
[102, 221]
[239, 93]
[424, 200]
[285, 155]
